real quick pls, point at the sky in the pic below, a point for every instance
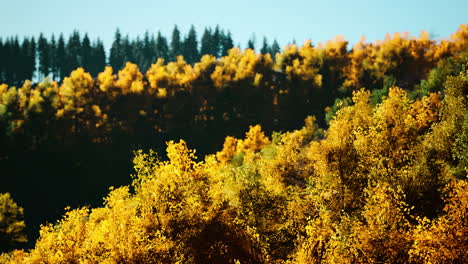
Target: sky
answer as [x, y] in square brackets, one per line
[284, 21]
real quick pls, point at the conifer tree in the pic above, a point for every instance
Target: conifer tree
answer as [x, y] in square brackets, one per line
[60, 58]
[191, 53]
[226, 43]
[53, 57]
[275, 48]
[206, 43]
[265, 48]
[44, 56]
[176, 44]
[116, 58]
[162, 47]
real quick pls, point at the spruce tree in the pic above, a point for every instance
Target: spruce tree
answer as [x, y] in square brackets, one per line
[116, 59]
[191, 53]
[44, 56]
[226, 43]
[162, 47]
[176, 45]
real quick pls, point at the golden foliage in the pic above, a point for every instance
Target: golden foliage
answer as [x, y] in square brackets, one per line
[11, 223]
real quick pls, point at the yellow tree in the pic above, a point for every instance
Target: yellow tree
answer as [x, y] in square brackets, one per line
[11, 223]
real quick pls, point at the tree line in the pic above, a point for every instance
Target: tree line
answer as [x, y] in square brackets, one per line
[57, 57]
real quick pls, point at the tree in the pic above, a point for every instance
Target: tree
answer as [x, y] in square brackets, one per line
[44, 56]
[98, 58]
[176, 44]
[74, 58]
[251, 42]
[116, 57]
[53, 57]
[162, 48]
[265, 48]
[275, 48]
[207, 43]
[86, 53]
[226, 43]
[11, 223]
[60, 58]
[191, 53]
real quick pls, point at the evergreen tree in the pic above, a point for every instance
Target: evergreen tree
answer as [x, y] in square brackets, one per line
[15, 65]
[162, 47]
[191, 53]
[251, 42]
[98, 58]
[60, 58]
[176, 45]
[127, 51]
[265, 48]
[147, 53]
[226, 43]
[2, 60]
[275, 48]
[44, 56]
[73, 52]
[86, 53]
[116, 57]
[53, 57]
[32, 58]
[23, 60]
[206, 43]
[216, 40]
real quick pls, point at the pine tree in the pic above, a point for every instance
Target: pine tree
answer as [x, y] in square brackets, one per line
[275, 48]
[191, 53]
[162, 47]
[2, 60]
[98, 58]
[176, 45]
[44, 56]
[73, 52]
[206, 43]
[32, 58]
[53, 57]
[60, 58]
[251, 42]
[216, 42]
[226, 43]
[116, 59]
[86, 53]
[265, 48]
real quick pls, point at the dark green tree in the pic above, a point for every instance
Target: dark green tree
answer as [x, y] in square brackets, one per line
[191, 53]
[98, 58]
[265, 48]
[176, 44]
[44, 56]
[116, 57]
[226, 43]
[73, 52]
[60, 58]
[206, 43]
[162, 47]
[216, 39]
[53, 57]
[275, 48]
[251, 42]
[86, 53]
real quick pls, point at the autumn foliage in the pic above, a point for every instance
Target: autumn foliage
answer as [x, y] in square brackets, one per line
[386, 182]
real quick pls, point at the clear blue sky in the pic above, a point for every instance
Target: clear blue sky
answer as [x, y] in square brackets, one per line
[283, 20]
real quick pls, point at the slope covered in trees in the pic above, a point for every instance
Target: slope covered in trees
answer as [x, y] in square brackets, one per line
[386, 184]
[388, 172]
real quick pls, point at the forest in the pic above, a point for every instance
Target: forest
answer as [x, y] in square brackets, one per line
[316, 153]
